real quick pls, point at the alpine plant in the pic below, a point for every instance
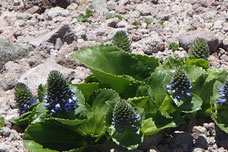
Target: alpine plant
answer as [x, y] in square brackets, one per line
[199, 49]
[180, 84]
[24, 97]
[59, 96]
[223, 91]
[124, 116]
[121, 40]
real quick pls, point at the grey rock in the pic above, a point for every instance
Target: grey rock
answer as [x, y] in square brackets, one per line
[225, 44]
[152, 44]
[49, 14]
[198, 131]
[5, 132]
[183, 140]
[63, 31]
[150, 141]
[144, 9]
[99, 4]
[58, 43]
[218, 24]
[10, 51]
[201, 142]
[111, 5]
[112, 22]
[223, 143]
[198, 150]
[38, 75]
[187, 38]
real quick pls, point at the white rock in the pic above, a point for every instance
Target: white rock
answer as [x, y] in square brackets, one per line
[49, 14]
[218, 24]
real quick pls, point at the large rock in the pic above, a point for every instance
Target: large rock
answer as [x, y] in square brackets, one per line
[99, 4]
[10, 51]
[187, 38]
[63, 32]
[49, 14]
[46, 4]
[39, 74]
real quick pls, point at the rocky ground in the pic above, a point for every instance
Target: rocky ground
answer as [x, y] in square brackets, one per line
[37, 36]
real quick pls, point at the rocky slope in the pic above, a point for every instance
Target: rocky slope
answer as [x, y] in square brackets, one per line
[37, 37]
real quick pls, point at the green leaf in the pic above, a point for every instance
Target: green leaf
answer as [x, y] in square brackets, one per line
[161, 22]
[127, 139]
[23, 120]
[51, 136]
[95, 124]
[42, 89]
[119, 17]
[157, 83]
[145, 102]
[82, 18]
[110, 15]
[68, 122]
[221, 119]
[198, 62]
[2, 122]
[148, 21]
[188, 105]
[173, 46]
[151, 62]
[136, 23]
[89, 13]
[110, 59]
[38, 114]
[171, 63]
[194, 72]
[157, 123]
[88, 89]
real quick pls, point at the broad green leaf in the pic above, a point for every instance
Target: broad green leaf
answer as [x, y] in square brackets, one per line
[151, 62]
[188, 105]
[95, 124]
[157, 83]
[221, 119]
[50, 135]
[89, 13]
[38, 114]
[23, 120]
[68, 122]
[217, 74]
[171, 63]
[194, 72]
[112, 60]
[198, 62]
[87, 89]
[167, 108]
[2, 122]
[144, 102]
[157, 123]
[127, 139]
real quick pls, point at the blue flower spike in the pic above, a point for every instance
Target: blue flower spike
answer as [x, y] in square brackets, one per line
[223, 91]
[124, 116]
[180, 85]
[24, 98]
[59, 98]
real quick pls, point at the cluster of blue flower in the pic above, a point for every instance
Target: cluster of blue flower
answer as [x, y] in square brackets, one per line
[127, 124]
[223, 91]
[28, 105]
[57, 105]
[180, 84]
